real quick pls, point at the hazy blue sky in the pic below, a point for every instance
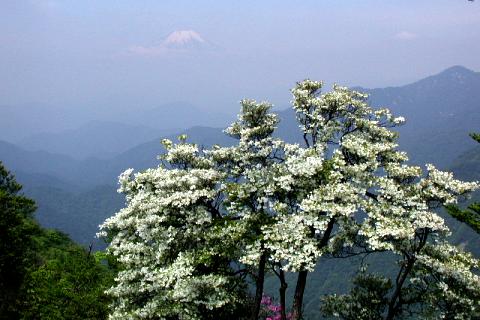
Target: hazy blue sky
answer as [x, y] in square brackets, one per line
[113, 53]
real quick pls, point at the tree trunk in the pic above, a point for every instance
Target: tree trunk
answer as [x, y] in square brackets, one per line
[302, 276]
[392, 305]
[298, 297]
[259, 284]
[283, 290]
[402, 276]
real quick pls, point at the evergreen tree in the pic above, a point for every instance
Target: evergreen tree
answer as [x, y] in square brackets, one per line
[17, 253]
[66, 283]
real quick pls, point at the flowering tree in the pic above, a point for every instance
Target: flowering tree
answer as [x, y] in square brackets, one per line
[204, 223]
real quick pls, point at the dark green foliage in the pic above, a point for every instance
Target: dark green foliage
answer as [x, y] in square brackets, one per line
[475, 136]
[68, 283]
[17, 229]
[44, 274]
[470, 216]
[421, 299]
[367, 300]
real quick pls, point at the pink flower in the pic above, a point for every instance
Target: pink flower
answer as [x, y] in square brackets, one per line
[274, 308]
[266, 300]
[272, 311]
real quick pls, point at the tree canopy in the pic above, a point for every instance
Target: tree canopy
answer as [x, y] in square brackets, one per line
[43, 273]
[17, 229]
[206, 224]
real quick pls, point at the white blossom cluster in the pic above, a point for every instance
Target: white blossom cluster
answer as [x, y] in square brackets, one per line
[346, 185]
[161, 242]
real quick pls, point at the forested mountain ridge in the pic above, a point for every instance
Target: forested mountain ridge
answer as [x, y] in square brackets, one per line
[66, 189]
[95, 139]
[467, 164]
[440, 112]
[93, 171]
[107, 136]
[44, 127]
[38, 162]
[76, 196]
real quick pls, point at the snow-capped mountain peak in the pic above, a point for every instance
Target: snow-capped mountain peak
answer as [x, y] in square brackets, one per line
[177, 41]
[183, 37]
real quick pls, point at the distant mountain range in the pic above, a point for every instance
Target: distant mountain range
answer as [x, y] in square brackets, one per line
[96, 139]
[20, 121]
[178, 115]
[94, 171]
[441, 110]
[82, 132]
[75, 192]
[75, 196]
